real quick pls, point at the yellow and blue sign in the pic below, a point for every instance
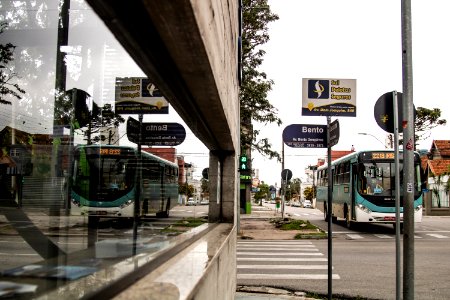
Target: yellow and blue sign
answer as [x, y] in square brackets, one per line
[329, 97]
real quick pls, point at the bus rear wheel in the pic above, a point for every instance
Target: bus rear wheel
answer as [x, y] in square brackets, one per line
[401, 227]
[325, 213]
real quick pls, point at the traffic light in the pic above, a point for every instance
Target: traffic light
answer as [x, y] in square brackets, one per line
[244, 163]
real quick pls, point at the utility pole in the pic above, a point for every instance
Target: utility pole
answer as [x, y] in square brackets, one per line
[408, 153]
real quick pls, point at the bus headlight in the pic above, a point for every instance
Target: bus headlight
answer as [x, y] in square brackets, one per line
[364, 209]
[76, 202]
[126, 204]
[419, 207]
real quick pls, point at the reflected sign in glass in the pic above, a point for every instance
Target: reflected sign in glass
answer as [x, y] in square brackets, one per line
[156, 134]
[137, 95]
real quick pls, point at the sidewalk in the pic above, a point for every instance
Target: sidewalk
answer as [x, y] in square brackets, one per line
[257, 226]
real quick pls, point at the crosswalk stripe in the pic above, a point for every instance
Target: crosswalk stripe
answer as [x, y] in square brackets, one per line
[282, 242]
[261, 257]
[278, 259]
[355, 236]
[284, 267]
[287, 276]
[277, 249]
[439, 236]
[278, 254]
[383, 236]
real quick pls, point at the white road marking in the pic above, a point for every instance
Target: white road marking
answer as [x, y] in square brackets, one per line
[383, 236]
[355, 236]
[284, 267]
[439, 236]
[279, 259]
[287, 276]
[285, 253]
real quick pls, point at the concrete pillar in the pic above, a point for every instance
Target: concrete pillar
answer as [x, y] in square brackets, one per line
[223, 186]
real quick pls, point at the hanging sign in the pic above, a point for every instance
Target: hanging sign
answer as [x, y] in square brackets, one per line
[156, 134]
[329, 97]
[305, 136]
[137, 95]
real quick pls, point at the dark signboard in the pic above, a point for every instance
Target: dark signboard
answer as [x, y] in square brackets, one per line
[286, 174]
[383, 112]
[334, 133]
[156, 134]
[305, 136]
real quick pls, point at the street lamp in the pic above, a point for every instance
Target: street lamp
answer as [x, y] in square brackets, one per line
[365, 133]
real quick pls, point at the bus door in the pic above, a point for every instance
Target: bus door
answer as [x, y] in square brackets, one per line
[353, 187]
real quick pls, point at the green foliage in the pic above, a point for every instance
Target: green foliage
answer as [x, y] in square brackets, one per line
[255, 84]
[191, 222]
[186, 189]
[205, 185]
[263, 192]
[292, 224]
[293, 188]
[7, 88]
[426, 119]
[309, 193]
[72, 108]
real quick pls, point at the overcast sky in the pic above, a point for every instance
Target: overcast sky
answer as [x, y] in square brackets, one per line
[351, 39]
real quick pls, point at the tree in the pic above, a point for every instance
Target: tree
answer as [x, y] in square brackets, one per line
[72, 108]
[426, 119]
[309, 193]
[205, 186]
[255, 84]
[294, 187]
[263, 192]
[103, 117]
[186, 189]
[7, 74]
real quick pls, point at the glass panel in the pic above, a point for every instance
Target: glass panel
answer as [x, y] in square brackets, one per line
[67, 183]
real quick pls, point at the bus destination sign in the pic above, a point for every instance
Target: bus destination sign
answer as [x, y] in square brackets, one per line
[383, 155]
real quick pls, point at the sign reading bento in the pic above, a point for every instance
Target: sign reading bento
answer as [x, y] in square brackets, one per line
[137, 95]
[329, 97]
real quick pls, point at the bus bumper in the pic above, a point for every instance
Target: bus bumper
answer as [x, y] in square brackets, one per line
[363, 214]
[125, 211]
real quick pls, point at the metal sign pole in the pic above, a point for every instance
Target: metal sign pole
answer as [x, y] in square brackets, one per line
[397, 200]
[330, 208]
[137, 196]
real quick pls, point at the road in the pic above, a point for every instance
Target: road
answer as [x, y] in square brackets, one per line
[15, 251]
[363, 260]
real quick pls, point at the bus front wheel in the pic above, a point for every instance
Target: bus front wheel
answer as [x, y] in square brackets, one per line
[348, 221]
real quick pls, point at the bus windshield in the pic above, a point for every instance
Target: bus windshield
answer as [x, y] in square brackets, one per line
[378, 179]
[101, 178]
